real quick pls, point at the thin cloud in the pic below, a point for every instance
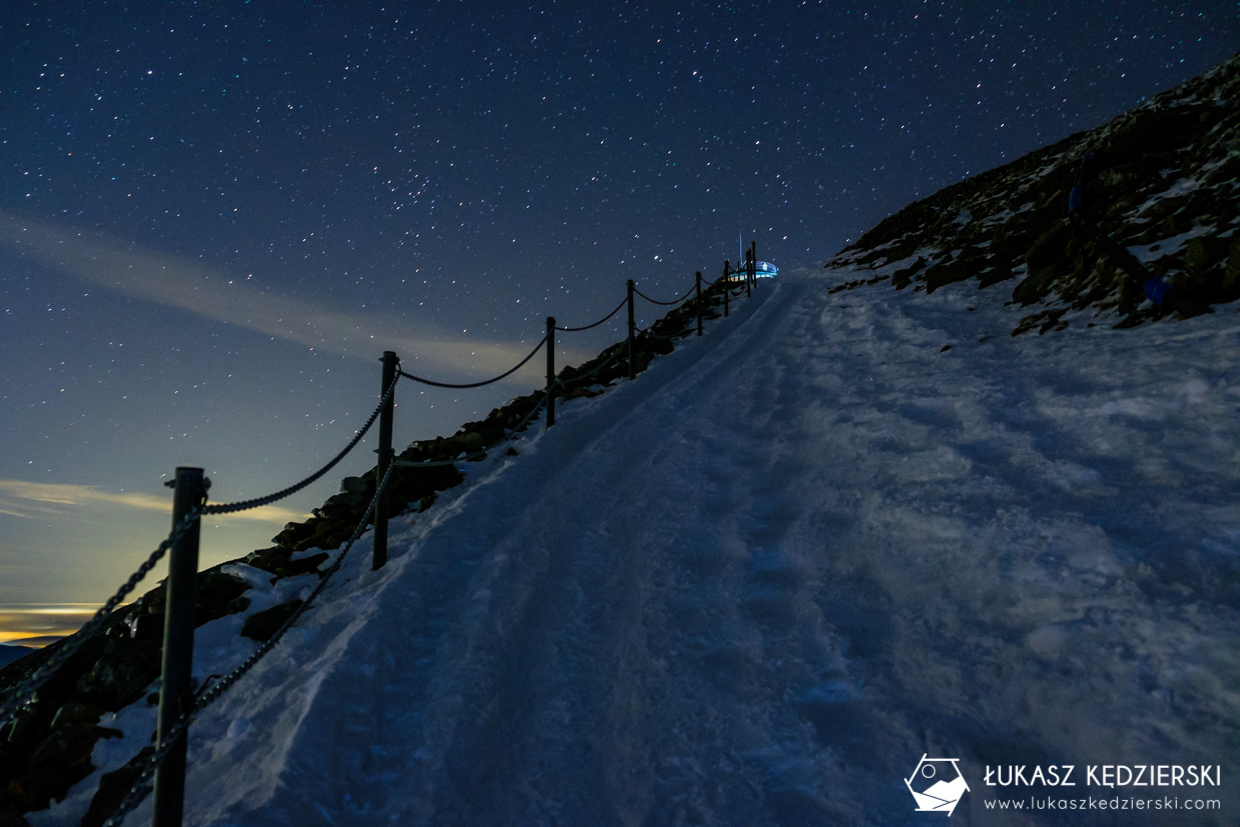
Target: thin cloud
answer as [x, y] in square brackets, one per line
[37, 500]
[215, 294]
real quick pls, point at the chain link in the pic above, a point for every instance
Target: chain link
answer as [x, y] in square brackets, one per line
[665, 304]
[245, 505]
[596, 324]
[520, 364]
[21, 695]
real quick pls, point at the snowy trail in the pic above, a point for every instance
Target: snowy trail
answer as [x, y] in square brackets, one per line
[536, 686]
[756, 585]
[553, 701]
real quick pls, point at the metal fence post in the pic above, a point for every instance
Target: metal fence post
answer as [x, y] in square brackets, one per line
[727, 286]
[748, 274]
[550, 370]
[176, 686]
[632, 332]
[379, 555]
[698, 287]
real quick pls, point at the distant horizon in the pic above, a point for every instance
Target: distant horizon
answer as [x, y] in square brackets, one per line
[35, 625]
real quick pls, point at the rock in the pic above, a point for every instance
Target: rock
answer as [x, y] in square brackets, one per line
[24, 729]
[262, 625]
[1231, 277]
[903, 277]
[217, 595]
[294, 534]
[278, 561]
[415, 484]
[1048, 249]
[122, 672]
[75, 714]
[113, 787]
[11, 816]
[1035, 285]
[361, 487]
[1203, 253]
[58, 762]
[950, 273]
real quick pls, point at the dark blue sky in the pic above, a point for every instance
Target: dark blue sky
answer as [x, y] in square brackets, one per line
[214, 217]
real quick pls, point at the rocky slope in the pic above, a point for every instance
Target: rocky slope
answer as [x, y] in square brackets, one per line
[1165, 184]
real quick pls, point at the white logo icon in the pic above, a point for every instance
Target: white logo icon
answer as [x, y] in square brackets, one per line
[936, 785]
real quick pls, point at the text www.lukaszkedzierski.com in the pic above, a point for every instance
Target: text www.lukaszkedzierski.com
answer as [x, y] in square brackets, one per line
[1091, 803]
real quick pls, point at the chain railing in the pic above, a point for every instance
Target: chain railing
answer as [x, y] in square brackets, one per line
[483, 383]
[258, 502]
[595, 324]
[21, 694]
[210, 693]
[173, 730]
[665, 304]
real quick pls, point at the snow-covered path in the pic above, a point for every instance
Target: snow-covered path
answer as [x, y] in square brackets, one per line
[756, 585]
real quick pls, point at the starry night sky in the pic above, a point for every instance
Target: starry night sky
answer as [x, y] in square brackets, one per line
[214, 217]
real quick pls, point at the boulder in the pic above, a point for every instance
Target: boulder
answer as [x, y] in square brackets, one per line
[262, 625]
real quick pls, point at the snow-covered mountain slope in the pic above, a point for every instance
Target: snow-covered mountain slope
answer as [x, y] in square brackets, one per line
[1164, 183]
[758, 583]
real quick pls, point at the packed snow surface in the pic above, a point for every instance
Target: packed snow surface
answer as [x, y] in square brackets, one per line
[758, 584]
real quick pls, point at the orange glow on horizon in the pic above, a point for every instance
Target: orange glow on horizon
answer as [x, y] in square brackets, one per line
[39, 624]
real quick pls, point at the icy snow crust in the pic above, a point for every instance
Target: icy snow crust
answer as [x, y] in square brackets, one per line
[756, 585]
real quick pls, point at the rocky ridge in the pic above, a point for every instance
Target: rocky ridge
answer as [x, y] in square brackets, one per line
[1167, 187]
